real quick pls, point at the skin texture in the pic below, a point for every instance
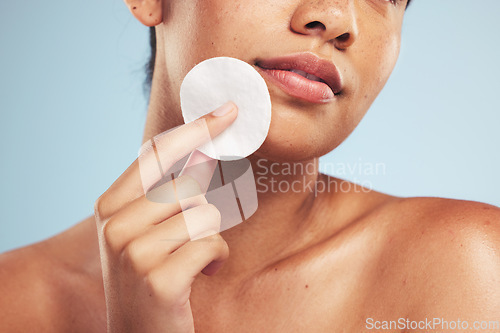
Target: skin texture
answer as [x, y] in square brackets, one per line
[303, 262]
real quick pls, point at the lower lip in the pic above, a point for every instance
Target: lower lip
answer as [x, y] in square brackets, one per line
[298, 86]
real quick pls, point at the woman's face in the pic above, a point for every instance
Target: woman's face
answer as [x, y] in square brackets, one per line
[361, 38]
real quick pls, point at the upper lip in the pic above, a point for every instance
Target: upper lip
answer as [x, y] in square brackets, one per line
[309, 63]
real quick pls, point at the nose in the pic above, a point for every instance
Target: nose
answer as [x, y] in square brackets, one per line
[333, 21]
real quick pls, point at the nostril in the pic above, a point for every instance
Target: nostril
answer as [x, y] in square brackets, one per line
[344, 37]
[315, 25]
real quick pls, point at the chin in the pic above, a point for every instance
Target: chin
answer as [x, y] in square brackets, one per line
[295, 143]
[290, 153]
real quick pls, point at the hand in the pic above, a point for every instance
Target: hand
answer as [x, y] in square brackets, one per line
[151, 252]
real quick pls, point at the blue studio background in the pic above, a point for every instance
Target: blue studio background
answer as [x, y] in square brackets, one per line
[73, 110]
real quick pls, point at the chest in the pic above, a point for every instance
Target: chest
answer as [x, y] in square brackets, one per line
[292, 301]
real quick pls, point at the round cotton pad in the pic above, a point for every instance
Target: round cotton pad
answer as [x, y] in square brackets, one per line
[215, 81]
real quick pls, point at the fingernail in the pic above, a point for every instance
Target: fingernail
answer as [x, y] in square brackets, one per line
[224, 109]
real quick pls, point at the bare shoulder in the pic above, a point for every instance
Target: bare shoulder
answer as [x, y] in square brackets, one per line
[26, 302]
[450, 251]
[46, 287]
[448, 223]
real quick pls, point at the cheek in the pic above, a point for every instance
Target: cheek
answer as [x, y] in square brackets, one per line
[376, 62]
[386, 58]
[209, 28]
[203, 29]
[376, 58]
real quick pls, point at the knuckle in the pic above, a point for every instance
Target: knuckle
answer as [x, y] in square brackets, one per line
[187, 183]
[204, 218]
[108, 231]
[111, 233]
[193, 201]
[103, 206]
[219, 244]
[216, 245]
[131, 252]
[213, 213]
[132, 256]
[163, 193]
[99, 206]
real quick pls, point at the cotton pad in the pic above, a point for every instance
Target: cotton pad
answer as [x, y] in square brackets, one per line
[212, 83]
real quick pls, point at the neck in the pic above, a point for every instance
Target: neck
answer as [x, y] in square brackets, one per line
[282, 221]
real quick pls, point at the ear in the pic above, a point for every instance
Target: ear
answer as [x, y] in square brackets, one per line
[148, 12]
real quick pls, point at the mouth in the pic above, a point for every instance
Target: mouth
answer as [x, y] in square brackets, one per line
[304, 76]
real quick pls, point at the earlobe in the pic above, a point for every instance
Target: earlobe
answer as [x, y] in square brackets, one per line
[148, 12]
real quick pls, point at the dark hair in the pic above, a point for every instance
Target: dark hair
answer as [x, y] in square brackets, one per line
[150, 66]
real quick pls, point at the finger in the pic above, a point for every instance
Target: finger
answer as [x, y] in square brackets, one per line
[143, 213]
[201, 167]
[177, 273]
[158, 242]
[173, 146]
[163, 202]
